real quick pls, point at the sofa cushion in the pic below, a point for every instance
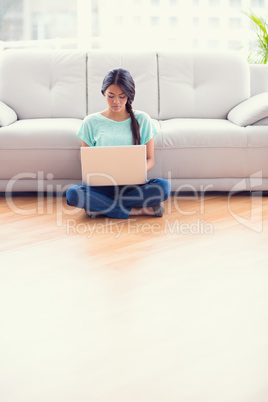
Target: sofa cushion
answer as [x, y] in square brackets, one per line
[7, 115]
[199, 148]
[257, 137]
[41, 134]
[257, 150]
[48, 146]
[141, 65]
[258, 78]
[201, 85]
[250, 111]
[262, 122]
[198, 133]
[44, 83]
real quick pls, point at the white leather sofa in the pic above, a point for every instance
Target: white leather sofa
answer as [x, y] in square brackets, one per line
[211, 111]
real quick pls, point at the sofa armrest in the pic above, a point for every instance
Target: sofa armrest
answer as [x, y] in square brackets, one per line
[7, 115]
[250, 111]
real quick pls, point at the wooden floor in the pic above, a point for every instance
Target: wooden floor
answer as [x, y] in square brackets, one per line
[171, 309]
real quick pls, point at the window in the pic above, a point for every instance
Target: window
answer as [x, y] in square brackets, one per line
[213, 23]
[195, 43]
[155, 21]
[118, 20]
[95, 20]
[11, 20]
[137, 20]
[234, 23]
[257, 3]
[195, 22]
[89, 23]
[173, 21]
[235, 3]
[51, 19]
[234, 44]
[213, 44]
[214, 3]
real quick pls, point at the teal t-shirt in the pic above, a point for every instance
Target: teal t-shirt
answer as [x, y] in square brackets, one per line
[97, 130]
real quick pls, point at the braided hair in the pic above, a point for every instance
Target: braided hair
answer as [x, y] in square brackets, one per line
[124, 80]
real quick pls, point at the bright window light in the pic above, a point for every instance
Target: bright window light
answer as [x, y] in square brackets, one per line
[127, 24]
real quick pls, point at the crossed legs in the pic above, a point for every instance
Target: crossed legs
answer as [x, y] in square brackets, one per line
[120, 201]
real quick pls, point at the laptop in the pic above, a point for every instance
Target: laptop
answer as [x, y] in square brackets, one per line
[114, 165]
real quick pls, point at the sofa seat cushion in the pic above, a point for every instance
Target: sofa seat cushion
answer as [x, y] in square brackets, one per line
[41, 145]
[257, 150]
[41, 133]
[198, 133]
[257, 136]
[200, 148]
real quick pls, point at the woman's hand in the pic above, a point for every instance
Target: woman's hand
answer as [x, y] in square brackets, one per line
[150, 154]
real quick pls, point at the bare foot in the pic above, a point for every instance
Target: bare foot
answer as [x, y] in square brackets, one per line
[156, 210]
[142, 211]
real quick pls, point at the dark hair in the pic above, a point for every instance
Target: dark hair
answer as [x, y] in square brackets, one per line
[124, 80]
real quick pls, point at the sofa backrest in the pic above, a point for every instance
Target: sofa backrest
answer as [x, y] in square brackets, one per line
[67, 83]
[143, 68]
[201, 84]
[258, 78]
[44, 83]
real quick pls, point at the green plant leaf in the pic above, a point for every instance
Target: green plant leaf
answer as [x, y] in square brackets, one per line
[258, 49]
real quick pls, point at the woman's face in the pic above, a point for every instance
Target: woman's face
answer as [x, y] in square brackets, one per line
[115, 98]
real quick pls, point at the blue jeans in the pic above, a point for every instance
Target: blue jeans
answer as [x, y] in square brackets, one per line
[117, 201]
